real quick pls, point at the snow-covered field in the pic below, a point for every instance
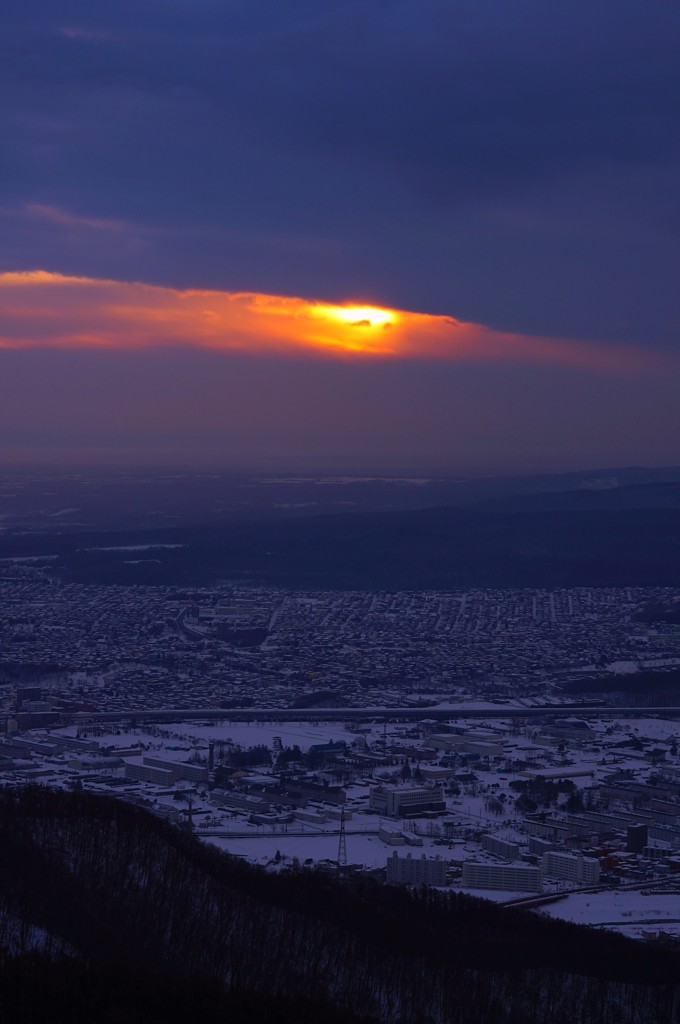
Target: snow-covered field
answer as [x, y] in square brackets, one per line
[314, 846]
[247, 734]
[628, 911]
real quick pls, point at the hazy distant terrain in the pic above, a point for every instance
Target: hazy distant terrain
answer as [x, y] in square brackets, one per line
[92, 499]
[373, 534]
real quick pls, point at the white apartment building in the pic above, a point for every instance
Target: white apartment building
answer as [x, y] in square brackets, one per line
[511, 877]
[398, 802]
[573, 867]
[421, 870]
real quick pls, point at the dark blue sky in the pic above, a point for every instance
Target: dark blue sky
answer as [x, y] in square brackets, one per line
[510, 164]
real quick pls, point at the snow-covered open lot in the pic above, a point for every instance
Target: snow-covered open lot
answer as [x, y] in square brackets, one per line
[631, 912]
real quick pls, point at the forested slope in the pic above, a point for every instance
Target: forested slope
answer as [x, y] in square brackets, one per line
[128, 906]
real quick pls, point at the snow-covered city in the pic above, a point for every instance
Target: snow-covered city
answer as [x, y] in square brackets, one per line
[431, 739]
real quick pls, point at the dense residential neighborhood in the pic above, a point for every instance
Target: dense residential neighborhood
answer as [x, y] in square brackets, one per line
[121, 648]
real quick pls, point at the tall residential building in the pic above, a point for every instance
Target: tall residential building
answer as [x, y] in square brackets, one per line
[573, 867]
[511, 877]
[410, 870]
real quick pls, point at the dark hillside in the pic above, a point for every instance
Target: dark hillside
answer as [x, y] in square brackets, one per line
[121, 893]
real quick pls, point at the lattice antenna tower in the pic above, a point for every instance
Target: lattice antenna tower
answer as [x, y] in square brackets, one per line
[342, 843]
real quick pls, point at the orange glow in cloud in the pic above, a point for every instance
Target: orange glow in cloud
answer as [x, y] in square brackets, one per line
[41, 309]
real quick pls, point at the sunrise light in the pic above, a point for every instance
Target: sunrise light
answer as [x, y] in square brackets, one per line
[357, 316]
[41, 309]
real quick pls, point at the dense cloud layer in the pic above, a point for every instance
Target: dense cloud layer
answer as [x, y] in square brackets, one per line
[512, 165]
[504, 163]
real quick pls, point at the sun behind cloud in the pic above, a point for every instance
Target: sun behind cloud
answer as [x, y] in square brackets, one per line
[359, 316]
[43, 309]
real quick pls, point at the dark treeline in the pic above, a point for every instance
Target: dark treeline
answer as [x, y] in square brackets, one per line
[37, 989]
[113, 892]
[19, 672]
[657, 612]
[428, 549]
[639, 689]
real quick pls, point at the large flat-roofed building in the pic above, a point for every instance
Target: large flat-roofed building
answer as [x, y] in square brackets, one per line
[415, 801]
[510, 877]
[183, 769]
[149, 773]
[501, 847]
[166, 773]
[377, 800]
[421, 870]
[540, 846]
[572, 867]
[401, 802]
[246, 802]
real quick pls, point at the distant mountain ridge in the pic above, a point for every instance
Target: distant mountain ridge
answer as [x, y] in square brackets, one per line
[53, 501]
[665, 494]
